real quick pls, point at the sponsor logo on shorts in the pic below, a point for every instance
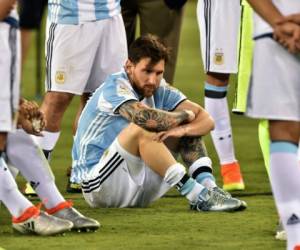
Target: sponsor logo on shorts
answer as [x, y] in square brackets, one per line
[60, 77]
[219, 57]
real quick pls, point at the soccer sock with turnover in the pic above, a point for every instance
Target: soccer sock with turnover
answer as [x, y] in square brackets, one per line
[28, 158]
[217, 107]
[47, 142]
[285, 176]
[188, 187]
[201, 171]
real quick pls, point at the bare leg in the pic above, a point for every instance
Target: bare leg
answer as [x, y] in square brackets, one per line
[54, 106]
[139, 142]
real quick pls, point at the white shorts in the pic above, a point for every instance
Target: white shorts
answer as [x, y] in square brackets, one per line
[10, 76]
[219, 25]
[121, 179]
[274, 91]
[80, 57]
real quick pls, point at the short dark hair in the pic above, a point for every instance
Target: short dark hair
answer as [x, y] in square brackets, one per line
[148, 46]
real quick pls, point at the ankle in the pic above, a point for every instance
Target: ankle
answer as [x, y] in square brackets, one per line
[60, 206]
[28, 213]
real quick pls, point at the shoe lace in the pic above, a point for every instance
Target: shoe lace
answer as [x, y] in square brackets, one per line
[217, 198]
[222, 192]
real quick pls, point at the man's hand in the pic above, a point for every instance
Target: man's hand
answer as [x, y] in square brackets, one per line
[294, 18]
[288, 35]
[31, 119]
[177, 132]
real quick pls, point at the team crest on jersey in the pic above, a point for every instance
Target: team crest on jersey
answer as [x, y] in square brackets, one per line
[60, 77]
[123, 90]
[219, 57]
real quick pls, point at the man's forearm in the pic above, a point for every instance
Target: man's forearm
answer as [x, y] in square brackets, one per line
[198, 127]
[267, 10]
[153, 120]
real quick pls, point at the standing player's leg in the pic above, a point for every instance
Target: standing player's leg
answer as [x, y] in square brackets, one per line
[285, 180]
[65, 77]
[35, 168]
[26, 217]
[220, 56]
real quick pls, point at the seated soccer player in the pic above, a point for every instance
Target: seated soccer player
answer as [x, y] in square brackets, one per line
[120, 153]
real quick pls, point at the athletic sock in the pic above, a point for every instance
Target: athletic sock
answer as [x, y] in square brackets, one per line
[201, 171]
[285, 176]
[189, 188]
[34, 167]
[11, 197]
[216, 105]
[47, 142]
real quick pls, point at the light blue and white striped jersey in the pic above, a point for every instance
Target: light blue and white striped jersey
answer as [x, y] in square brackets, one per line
[100, 123]
[81, 11]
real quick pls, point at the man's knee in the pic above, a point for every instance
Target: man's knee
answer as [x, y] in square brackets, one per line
[217, 79]
[285, 130]
[133, 137]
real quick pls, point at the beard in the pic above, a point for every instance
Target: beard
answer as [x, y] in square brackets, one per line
[146, 91]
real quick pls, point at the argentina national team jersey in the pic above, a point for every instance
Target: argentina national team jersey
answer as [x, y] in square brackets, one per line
[81, 11]
[100, 123]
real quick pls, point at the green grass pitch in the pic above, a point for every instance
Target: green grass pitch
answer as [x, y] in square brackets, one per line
[168, 223]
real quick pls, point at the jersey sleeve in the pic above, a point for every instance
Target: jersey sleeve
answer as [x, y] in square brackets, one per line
[116, 94]
[168, 97]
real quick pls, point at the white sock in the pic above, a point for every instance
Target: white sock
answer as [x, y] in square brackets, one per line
[285, 176]
[222, 134]
[47, 141]
[34, 167]
[10, 196]
[192, 196]
[201, 171]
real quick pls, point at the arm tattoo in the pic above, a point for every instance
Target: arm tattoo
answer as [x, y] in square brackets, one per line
[154, 120]
[191, 149]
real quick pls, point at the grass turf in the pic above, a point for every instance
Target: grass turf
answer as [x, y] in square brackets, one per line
[166, 224]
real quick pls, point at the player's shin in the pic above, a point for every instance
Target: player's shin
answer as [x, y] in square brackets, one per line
[47, 142]
[34, 167]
